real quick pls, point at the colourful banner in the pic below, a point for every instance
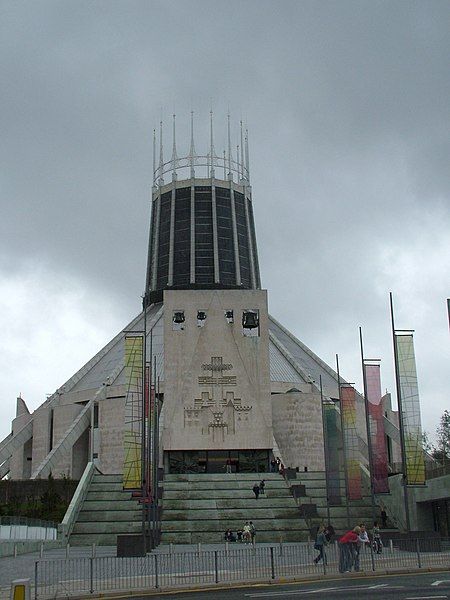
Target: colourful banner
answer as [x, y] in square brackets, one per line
[132, 442]
[410, 409]
[351, 443]
[377, 439]
[330, 416]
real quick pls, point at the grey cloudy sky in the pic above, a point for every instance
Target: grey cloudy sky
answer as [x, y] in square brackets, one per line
[348, 110]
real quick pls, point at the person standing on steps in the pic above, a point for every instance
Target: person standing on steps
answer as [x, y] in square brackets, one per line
[376, 539]
[262, 486]
[256, 490]
[228, 465]
[252, 532]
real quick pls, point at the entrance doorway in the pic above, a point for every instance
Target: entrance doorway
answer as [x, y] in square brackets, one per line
[215, 461]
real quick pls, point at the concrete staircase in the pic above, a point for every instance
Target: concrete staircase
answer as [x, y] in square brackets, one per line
[200, 507]
[360, 511]
[107, 511]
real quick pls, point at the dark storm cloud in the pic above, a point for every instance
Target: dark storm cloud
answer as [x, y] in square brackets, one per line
[349, 119]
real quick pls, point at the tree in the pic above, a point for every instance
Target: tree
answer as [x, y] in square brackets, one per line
[443, 438]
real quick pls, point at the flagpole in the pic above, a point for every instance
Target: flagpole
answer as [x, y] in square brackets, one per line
[143, 428]
[369, 436]
[325, 451]
[400, 418]
[344, 451]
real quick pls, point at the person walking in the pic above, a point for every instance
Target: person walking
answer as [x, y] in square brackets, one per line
[320, 544]
[347, 549]
[256, 490]
[376, 539]
[262, 486]
[383, 517]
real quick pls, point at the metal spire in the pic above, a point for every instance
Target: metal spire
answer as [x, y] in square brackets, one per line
[230, 175]
[247, 163]
[238, 163]
[224, 164]
[174, 151]
[154, 157]
[192, 148]
[211, 144]
[161, 159]
[242, 152]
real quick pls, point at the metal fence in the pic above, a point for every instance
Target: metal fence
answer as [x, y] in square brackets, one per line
[233, 563]
[25, 528]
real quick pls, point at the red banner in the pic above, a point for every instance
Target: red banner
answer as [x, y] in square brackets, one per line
[377, 439]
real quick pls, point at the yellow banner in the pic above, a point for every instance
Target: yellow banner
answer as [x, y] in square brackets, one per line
[132, 441]
[410, 407]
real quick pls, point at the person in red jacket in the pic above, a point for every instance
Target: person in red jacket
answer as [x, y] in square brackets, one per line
[347, 549]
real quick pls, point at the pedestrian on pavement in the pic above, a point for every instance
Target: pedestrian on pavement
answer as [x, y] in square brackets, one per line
[329, 532]
[262, 486]
[228, 465]
[320, 544]
[347, 549]
[256, 490]
[363, 539]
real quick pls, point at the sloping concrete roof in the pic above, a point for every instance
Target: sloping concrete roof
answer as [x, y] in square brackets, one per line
[290, 360]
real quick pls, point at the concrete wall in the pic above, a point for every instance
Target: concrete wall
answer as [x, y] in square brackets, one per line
[111, 424]
[297, 427]
[41, 435]
[236, 414]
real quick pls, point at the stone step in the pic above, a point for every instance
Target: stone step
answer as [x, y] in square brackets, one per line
[206, 494]
[107, 527]
[234, 524]
[231, 513]
[110, 496]
[86, 539]
[220, 485]
[93, 505]
[98, 477]
[86, 516]
[226, 503]
[223, 477]
[205, 537]
[97, 486]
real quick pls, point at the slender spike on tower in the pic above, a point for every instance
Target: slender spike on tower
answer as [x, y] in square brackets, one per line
[211, 145]
[242, 151]
[174, 150]
[192, 148]
[247, 163]
[224, 164]
[238, 162]
[161, 157]
[230, 173]
[154, 158]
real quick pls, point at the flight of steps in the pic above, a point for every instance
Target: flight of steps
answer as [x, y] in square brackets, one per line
[107, 511]
[200, 507]
[360, 511]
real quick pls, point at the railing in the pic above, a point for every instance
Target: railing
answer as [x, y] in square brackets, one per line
[231, 564]
[65, 528]
[25, 528]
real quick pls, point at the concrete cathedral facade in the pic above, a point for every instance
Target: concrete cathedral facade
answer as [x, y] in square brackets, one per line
[234, 385]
